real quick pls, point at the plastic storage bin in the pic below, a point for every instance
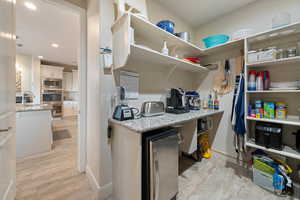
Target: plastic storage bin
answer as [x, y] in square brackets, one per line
[215, 40]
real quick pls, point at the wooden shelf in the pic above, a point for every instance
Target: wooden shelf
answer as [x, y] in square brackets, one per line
[273, 91]
[154, 34]
[225, 47]
[287, 151]
[275, 62]
[275, 33]
[292, 122]
[140, 54]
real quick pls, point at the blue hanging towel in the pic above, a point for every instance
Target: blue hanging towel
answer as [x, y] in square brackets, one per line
[239, 126]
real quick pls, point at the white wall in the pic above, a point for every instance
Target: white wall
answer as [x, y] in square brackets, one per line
[257, 15]
[101, 88]
[30, 68]
[93, 93]
[156, 13]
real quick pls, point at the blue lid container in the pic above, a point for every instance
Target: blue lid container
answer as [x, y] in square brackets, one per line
[166, 25]
[215, 40]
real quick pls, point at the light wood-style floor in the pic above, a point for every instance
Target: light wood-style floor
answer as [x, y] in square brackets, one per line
[53, 175]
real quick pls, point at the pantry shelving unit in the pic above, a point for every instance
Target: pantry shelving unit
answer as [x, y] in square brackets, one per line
[292, 122]
[136, 40]
[282, 61]
[273, 91]
[286, 69]
[286, 151]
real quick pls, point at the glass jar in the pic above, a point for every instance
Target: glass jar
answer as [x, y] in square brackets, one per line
[280, 54]
[292, 52]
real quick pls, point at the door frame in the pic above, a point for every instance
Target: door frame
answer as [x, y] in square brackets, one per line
[82, 125]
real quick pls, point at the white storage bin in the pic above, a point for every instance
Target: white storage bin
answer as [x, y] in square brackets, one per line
[263, 179]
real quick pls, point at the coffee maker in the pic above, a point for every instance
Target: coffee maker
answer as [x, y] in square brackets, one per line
[176, 101]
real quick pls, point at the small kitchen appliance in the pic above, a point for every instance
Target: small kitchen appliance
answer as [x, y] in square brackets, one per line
[122, 111]
[268, 135]
[152, 108]
[193, 100]
[176, 101]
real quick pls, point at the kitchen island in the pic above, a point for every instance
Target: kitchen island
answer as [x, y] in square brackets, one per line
[127, 147]
[33, 129]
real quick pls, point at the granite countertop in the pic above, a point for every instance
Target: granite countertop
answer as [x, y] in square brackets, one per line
[150, 123]
[33, 107]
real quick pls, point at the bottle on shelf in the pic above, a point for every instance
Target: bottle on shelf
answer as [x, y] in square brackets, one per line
[216, 102]
[210, 102]
[267, 81]
[252, 81]
[165, 50]
[260, 81]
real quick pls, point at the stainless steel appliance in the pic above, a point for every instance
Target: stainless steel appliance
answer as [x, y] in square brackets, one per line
[160, 165]
[55, 84]
[54, 98]
[152, 108]
[176, 101]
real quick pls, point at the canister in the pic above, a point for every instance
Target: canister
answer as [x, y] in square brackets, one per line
[281, 110]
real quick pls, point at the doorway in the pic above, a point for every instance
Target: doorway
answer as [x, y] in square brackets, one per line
[51, 69]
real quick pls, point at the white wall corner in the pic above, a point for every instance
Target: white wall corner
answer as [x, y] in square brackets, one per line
[102, 193]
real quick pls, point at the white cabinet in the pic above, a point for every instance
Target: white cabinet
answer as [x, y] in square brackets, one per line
[70, 108]
[52, 72]
[75, 80]
[68, 81]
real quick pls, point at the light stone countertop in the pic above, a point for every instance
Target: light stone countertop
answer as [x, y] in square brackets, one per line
[151, 123]
[33, 107]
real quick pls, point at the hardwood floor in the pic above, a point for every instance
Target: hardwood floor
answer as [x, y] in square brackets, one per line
[54, 175]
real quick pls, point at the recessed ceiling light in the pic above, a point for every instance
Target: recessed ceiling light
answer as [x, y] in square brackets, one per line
[54, 45]
[30, 5]
[40, 57]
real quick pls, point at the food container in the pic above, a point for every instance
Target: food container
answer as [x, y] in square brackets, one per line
[281, 110]
[291, 52]
[252, 56]
[166, 25]
[280, 54]
[215, 40]
[184, 36]
[298, 49]
[281, 19]
[269, 110]
[268, 54]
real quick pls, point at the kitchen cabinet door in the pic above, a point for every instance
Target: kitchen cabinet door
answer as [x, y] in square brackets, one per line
[7, 101]
[75, 80]
[67, 81]
[52, 72]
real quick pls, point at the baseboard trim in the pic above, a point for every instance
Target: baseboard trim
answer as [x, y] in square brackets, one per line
[10, 193]
[103, 192]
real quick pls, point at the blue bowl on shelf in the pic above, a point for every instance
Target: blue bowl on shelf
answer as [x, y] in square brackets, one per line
[215, 40]
[166, 25]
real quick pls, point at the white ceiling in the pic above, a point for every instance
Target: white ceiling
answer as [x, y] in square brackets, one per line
[197, 12]
[37, 30]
